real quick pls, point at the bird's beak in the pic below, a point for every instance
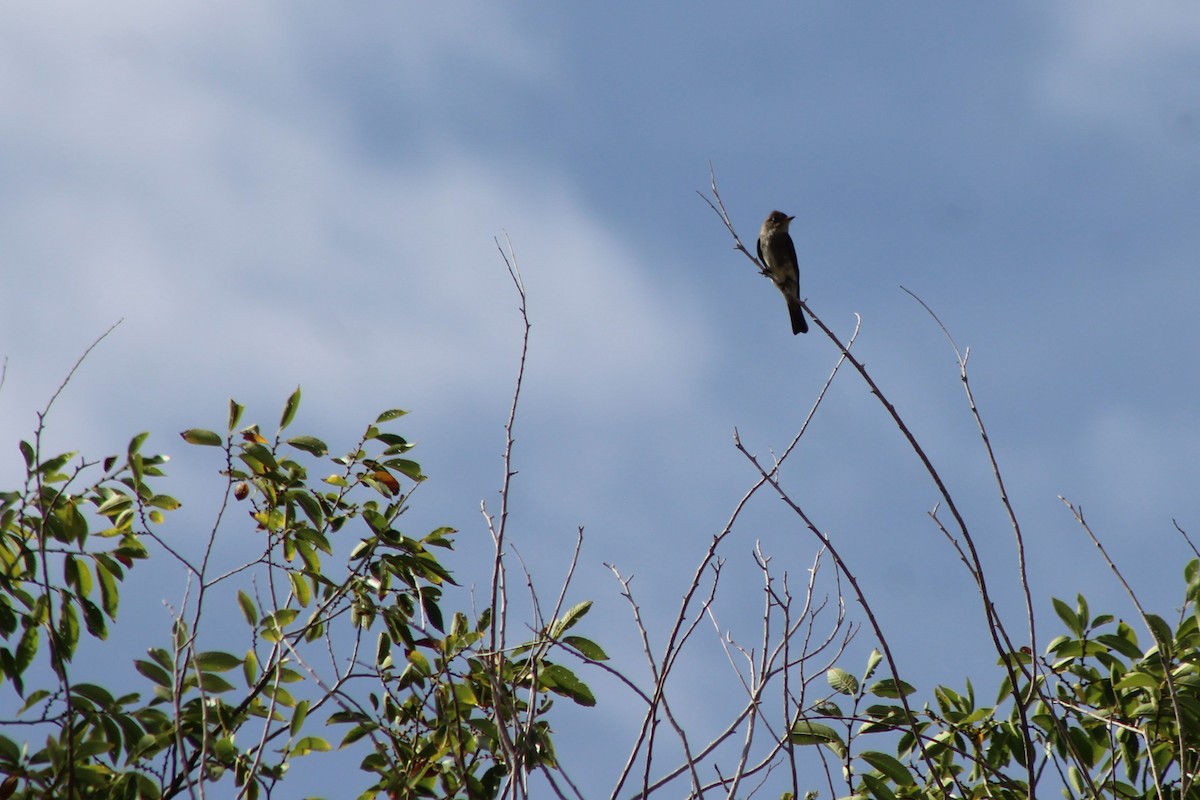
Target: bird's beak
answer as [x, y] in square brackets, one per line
[791, 218]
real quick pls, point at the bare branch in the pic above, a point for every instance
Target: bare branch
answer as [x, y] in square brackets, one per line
[719, 208]
[962, 357]
[78, 363]
[499, 599]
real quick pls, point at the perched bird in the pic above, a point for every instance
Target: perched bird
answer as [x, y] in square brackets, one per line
[778, 255]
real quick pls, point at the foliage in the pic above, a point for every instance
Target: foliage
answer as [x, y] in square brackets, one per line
[434, 708]
[1109, 718]
[368, 646]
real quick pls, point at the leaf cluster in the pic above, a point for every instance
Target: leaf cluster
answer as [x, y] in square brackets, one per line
[1111, 716]
[369, 643]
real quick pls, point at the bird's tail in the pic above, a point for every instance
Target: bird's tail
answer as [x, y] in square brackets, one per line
[799, 324]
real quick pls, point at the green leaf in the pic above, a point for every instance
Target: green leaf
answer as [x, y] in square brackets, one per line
[877, 788]
[90, 691]
[235, 413]
[300, 588]
[827, 708]
[281, 696]
[212, 682]
[1121, 645]
[889, 688]
[180, 632]
[77, 575]
[842, 682]
[72, 525]
[1081, 611]
[1137, 680]
[52, 466]
[136, 469]
[164, 502]
[312, 509]
[249, 608]
[889, 766]
[1161, 632]
[804, 732]
[1068, 616]
[573, 615]
[273, 520]
[154, 672]
[217, 661]
[395, 444]
[290, 675]
[68, 631]
[298, 717]
[310, 744]
[282, 618]
[309, 444]
[383, 651]
[308, 554]
[586, 647]
[289, 409]
[872, 663]
[258, 458]
[85, 751]
[250, 668]
[418, 662]
[162, 658]
[109, 593]
[356, 733]
[410, 468]
[27, 452]
[562, 681]
[31, 701]
[388, 416]
[93, 618]
[201, 437]
[888, 717]
[135, 444]
[429, 605]
[27, 648]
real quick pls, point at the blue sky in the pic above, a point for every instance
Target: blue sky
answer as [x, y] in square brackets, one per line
[273, 195]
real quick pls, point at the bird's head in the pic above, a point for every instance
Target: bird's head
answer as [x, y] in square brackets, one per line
[779, 220]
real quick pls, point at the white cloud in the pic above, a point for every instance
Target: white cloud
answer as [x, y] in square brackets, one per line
[247, 241]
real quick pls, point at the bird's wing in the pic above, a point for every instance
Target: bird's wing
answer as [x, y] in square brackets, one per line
[791, 249]
[762, 260]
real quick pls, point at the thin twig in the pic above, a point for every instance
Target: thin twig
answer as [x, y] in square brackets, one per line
[719, 208]
[961, 357]
[1163, 647]
[859, 595]
[499, 527]
[78, 363]
[1186, 538]
[499, 599]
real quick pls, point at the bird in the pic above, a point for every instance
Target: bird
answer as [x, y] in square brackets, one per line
[778, 256]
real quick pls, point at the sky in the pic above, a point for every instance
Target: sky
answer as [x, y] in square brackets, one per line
[273, 195]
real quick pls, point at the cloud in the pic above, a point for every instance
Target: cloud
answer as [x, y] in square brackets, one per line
[168, 169]
[1126, 67]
